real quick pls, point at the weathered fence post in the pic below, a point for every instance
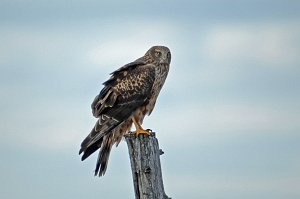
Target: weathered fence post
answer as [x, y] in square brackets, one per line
[144, 155]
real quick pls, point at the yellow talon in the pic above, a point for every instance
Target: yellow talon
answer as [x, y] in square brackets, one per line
[139, 129]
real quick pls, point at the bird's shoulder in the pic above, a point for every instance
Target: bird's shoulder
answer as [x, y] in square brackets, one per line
[130, 66]
[130, 71]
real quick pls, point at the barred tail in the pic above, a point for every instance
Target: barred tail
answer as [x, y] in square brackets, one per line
[103, 155]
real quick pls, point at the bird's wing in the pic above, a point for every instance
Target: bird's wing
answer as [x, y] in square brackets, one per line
[130, 66]
[128, 88]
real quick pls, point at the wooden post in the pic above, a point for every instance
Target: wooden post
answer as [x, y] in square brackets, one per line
[144, 155]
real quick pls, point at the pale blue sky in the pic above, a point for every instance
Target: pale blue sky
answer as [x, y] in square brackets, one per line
[228, 117]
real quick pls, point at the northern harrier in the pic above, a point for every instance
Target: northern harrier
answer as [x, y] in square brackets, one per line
[126, 98]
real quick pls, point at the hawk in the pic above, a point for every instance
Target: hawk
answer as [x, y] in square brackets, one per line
[126, 98]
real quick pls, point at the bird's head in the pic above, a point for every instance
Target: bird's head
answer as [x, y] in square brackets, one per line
[159, 55]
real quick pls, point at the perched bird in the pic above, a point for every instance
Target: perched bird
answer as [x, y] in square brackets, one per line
[126, 98]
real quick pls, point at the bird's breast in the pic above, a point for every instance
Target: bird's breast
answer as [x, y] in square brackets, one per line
[161, 74]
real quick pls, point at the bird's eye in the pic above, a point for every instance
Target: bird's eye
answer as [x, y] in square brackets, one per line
[157, 54]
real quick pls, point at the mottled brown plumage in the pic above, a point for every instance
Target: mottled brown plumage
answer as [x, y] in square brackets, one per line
[126, 98]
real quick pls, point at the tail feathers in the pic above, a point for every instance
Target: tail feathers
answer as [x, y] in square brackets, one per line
[101, 137]
[103, 156]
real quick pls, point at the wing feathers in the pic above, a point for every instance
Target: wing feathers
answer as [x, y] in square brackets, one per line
[103, 101]
[88, 151]
[98, 132]
[128, 89]
[130, 66]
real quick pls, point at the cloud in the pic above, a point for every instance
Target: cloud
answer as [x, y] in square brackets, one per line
[272, 45]
[116, 49]
[35, 47]
[211, 120]
[55, 132]
[226, 186]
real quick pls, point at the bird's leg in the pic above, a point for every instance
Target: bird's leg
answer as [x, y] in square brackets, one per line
[139, 129]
